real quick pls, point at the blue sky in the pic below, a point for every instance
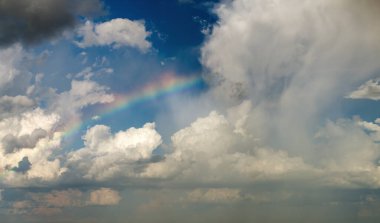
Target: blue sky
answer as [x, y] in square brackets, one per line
[189, 111]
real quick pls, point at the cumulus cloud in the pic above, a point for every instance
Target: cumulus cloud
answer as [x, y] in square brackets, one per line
[347, 155]
[212, 150]
[369, 90]
[11, 105]
[33, 21]
[109, 156]
[116, 32]
[12, 143]
[84, 93]
[372, 127]
[293, 60]
[293, 48]
[10, 59]
[28, 141]
[221, 150]
[31, 137]
[27, 122]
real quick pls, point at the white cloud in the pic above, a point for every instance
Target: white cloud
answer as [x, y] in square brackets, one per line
[223, 151]
[30, 138]
[293, 60]
[369, 90]
[104, 196]
[267, 49]
[10, 60]
[344, 146]
[34, 139]
[372, 127]
[27, 122]
[213, 150]
[116, 32]
[69, 104]
[106, 156]
[82, 94]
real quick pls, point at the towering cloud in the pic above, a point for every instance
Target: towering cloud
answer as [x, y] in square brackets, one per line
[294, 60]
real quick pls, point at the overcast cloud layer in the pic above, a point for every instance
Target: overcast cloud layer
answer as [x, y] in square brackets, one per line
[259, 140]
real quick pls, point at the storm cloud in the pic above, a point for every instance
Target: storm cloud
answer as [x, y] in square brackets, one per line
[30, 22]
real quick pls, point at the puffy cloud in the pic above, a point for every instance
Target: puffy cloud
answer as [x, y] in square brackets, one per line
[290, 68]
[28, 122]
[107, 156]
[32, 21]
[369, 90]
[213, 150]
[30, 137]
[28, 141]
[116, 32]
[220, 150]
[41, 167]
[372, 127]
[294, 60]
[10, 60]
[12, 143]
[104, 196]
[292, 54]
[14, 105]
[82, 94]
[347, 155]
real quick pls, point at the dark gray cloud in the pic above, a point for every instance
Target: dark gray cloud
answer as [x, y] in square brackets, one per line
[12, 143]
[23, 166]
[30, 22]
[14, 105]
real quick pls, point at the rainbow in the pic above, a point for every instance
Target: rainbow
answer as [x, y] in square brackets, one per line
[168, 84]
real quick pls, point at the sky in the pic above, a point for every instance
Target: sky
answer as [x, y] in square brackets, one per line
[189, 111]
